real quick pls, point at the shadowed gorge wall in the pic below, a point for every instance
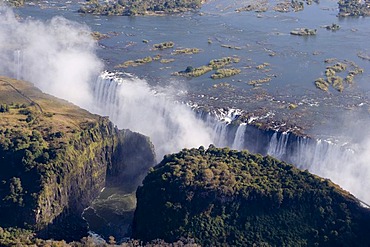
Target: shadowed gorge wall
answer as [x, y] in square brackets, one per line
[54, 159]
[133, 157]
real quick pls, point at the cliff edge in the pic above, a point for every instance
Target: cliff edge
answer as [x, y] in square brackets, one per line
[54, 160]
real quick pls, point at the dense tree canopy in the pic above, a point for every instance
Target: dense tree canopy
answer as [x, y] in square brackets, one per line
[222, 196]
[140, 7]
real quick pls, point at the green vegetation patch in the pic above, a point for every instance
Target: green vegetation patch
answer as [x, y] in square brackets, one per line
[134, 63]
[20, 237]
[48, 150]
[194, 72]
[14, 3]
[353, 8]
[222, 73]
[222, 62]
[214, 64]
[333, 72]
[322, 84]
[167, 60]
[164, 45]
[293, 5]
[139, 7]
[249, 7]
[223, 197]
[99, 36]
[258, 82]
[262, 66]
[336, 82]
[187, 51]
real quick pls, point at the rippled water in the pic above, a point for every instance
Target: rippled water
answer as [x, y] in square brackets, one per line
[296, 63]
[293, 68]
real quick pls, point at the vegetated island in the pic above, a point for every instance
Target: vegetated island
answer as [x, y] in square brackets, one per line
[353, 8]
[214, 64]
[303, 32]
[335, 80]
[139, 7]
[14, 3]
[223, 197]
[332, 27]
[159, 47]
[280, 6]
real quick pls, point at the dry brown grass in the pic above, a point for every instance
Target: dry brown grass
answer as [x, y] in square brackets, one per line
[51, 112]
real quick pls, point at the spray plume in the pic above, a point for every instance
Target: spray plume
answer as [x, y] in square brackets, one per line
[59, 57]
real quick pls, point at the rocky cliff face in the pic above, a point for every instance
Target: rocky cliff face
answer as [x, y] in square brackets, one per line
[77, 177]
[131, 160]
[54, 160]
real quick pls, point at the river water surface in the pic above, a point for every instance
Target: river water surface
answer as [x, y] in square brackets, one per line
[294, 62]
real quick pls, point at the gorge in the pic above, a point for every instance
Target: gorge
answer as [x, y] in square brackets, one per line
[56, 158]
[127, 100]
[60, 57]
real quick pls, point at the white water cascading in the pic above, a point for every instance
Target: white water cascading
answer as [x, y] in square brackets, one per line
[131, 103]
[346, 165]
[238, 142]
[219, 124]
[278, 147]
[59, 57]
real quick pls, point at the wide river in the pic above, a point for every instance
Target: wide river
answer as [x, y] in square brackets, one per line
[294, 62]
[267, 51]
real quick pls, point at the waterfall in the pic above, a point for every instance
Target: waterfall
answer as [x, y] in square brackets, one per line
[219, 128]
[278, 145]
[316, 154]
[106, 95]
[219, 133]
[66, 65]
[239, 137]
[131, 103]
[345, 164]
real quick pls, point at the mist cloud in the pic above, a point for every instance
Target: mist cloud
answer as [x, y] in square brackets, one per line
[132, 104]
[348, 164]
[57, 56]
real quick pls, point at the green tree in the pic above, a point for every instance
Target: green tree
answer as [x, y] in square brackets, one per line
[15, 192]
